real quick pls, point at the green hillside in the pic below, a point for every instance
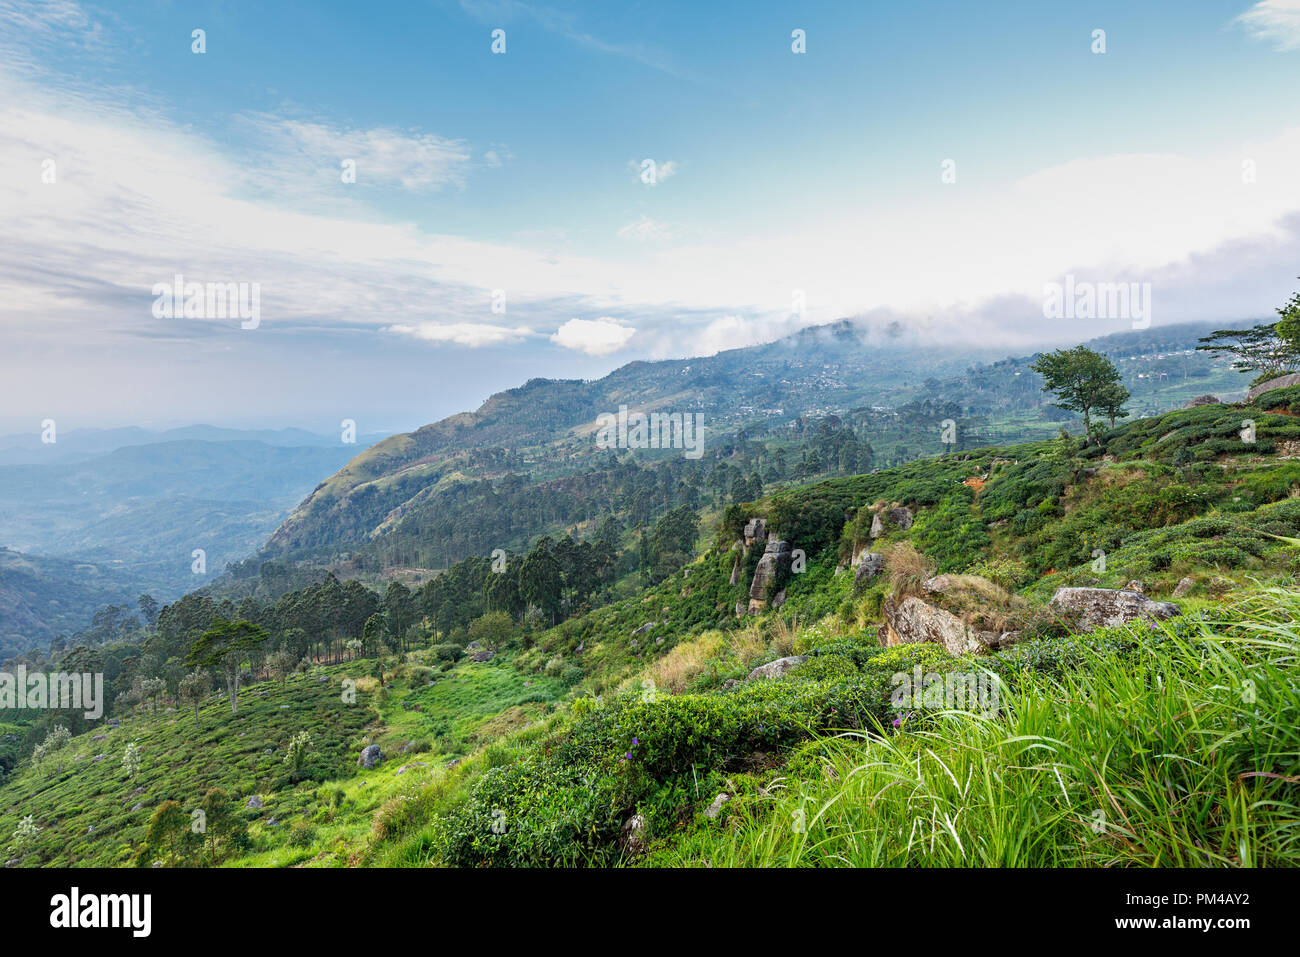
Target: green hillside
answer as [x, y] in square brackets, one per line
[630, 729]
[526, 462]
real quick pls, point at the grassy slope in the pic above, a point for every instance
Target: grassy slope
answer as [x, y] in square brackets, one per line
[1168, 765]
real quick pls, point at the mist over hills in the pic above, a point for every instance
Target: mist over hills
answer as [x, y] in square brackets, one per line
[525, 462]
[89, 528]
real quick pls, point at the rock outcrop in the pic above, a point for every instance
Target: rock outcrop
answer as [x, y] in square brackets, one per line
[755, 531]
[775, 669]
[901, 517]
[869, 565]
[770, 575]
[370, 756]
[914, 619]
[1088, 608]
[1281, 382]
[1203, 400]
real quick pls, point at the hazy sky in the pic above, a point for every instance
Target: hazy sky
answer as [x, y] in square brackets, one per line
[126, 158]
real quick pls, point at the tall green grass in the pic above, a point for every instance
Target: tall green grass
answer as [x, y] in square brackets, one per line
[1179, 748]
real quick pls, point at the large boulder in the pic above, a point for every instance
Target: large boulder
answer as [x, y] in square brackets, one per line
[877, 526]
[1203, 400]
[870, 564]
[913, 619]
[1088, 608]
[775, 669]
[1281, 382]
[770, 574]
[901, 517]
[370, 756]
[756, 531]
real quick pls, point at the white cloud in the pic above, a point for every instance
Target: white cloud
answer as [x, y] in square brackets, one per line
[595, 337]
[471, 334]
[1276, 21]
[301, 154]
[645, 229]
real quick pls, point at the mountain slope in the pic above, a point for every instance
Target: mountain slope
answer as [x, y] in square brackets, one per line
[502, 475]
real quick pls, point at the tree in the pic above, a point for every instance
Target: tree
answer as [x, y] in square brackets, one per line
[1268, 350]
[372, 635]
[280, 665]
[400, 606]
[492, 630]
[1288, 324]
[26, 832]
[222, 830]
[193, 688]
[149, 608]
[295, 755]
[169, 835]
[1110, 402]
[227, 645]
[131, 760]
[151, 689]
[540, 580]
[1082, 380]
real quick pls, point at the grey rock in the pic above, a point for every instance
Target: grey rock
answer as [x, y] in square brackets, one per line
[771, 571]
[914, 620]
[254, 802]
[714, 809]
[644, 628]
[137, 806]
[1090, 608]
[1183, 587]
[775, 669]
[870, 564]
[632, 837]
[482, 656]
[1281, 382]
[901, 517]
[370, 756]
[414, 764]
[877, 526]
[755, 531]
[1202, 400]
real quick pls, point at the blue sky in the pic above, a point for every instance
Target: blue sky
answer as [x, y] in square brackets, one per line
[475, 172]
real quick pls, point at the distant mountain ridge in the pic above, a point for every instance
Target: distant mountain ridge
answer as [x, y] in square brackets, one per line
[405, 498]
[84, 530]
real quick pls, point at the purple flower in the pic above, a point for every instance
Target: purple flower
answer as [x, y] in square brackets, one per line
[898, 722]
[635, 742]
[628, 756]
